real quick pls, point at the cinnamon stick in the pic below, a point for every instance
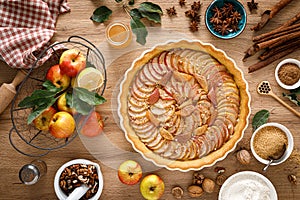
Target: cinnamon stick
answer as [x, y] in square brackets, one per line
[269, 14]
[269, 60]
[276, 41]
[270, 52]
[276, 32]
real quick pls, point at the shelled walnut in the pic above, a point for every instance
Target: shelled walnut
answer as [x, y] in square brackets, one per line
[75, 175]
[198, 178]
[243, 157]
[195, 191]
[208, 185]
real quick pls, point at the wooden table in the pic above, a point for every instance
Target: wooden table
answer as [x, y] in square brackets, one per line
[77, 22]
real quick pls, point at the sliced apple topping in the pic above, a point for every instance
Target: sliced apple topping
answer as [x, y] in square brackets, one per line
[154, 96]
[183, 104]
[166, 134]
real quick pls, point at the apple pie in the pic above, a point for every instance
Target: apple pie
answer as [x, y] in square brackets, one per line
[184, 105]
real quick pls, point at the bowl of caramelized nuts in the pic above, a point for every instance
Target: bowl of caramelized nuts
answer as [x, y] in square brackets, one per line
[76, 173]
[225, 19]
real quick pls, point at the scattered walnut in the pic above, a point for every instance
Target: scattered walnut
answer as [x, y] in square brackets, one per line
[195, 191]
[220, 179]
[208, 185]
[177, 192]
[198, 178]
[243, 157]
[292, 178]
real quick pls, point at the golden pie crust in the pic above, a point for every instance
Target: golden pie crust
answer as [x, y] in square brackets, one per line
[184, 105]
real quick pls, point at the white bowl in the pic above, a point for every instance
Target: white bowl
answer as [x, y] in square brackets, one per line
[289, 148]
[59, 192]
[247, 185]
[287, 87]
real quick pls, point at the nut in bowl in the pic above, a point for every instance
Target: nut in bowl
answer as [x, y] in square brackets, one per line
[270, 140]
[287, 74]
[75, 173]
[225, 19]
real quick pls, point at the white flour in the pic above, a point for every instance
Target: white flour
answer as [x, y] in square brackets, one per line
[248, 189]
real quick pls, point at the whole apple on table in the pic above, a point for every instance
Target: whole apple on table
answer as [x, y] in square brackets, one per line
[152, 187]
[59, 118]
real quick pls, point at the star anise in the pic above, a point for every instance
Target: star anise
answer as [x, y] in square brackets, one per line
[252, 5]
[182, 3]
[196, 6]
[236, 16]
[190, 14]
[194, 26]
[171, 11]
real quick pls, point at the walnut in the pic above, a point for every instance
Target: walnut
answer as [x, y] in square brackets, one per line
[220, 179]
[198, 178]
[208, 185]
[177, 192]
[243, 157]
[195, 191]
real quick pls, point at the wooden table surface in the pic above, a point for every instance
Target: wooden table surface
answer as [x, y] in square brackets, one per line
[77, 22]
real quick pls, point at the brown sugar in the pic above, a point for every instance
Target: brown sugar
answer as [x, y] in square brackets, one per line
[289, 73]
[269, 141]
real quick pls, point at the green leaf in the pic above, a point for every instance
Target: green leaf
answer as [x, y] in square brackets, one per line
[152, 16]
[150, 7]
[91, 98]
[83, 100]
[293, 98]
[295, 91]
[50, 86]
[260, 118]
[40, 109]
[139, 29]
[101, 14]
[37, 98]
[135, 13]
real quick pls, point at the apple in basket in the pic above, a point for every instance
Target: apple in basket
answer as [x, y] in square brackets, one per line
[62, 125]
[58, 79]
[130, 172]
[91, 125]
[63, 106]
[71, 62]
[42, 121]
[152, 187]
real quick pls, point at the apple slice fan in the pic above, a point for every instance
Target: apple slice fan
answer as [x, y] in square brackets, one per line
[48, 104]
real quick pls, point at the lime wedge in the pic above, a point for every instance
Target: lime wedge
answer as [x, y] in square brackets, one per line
[90, 79]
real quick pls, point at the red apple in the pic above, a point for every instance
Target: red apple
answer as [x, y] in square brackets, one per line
[63, 106]
[58, 79]
[130, 172]
[71, 62]
[152, 187]
[62, 125]
[91, 125]
[43, 120]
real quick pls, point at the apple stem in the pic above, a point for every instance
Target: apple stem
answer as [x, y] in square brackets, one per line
[152, 188]
[76, 56]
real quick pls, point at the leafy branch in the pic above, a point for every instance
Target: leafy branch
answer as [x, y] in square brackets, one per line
[81, 99]
[147, 10]
[293, 96]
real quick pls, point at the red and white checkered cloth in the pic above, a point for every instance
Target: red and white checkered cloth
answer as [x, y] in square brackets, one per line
[26, 27]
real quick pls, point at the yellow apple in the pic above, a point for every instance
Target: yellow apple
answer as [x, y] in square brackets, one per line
[130, 172]
[152, 187]
[62, 125]
[43, 120]
[58, 79]
[63, 106]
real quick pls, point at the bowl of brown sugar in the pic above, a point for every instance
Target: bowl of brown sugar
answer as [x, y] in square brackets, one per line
[287, 74]
[270, 139]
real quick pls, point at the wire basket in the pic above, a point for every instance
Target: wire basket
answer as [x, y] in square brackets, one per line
[43, 140]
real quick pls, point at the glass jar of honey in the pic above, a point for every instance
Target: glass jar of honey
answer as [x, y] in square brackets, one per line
[118, 35]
